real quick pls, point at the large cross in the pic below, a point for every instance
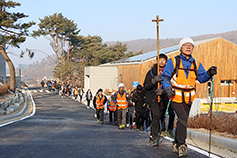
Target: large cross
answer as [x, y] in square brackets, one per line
[157, 20]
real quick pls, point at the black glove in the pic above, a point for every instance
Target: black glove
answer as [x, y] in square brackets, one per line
[160, 92]
[212, 71]
[156, 79]
[170, 92]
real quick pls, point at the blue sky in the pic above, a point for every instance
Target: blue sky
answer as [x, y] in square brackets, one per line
[125, 20]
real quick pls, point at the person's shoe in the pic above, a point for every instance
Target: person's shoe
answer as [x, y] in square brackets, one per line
[116, 122]
[127, 125]
[170, 133]
[102, 122]
[123, 126]
[120, 126]
[88, 107]
[98, 121]
[150, 139]
[163, 134]
[183, 151]
[137, 129]
[175, 149]
[142, 128]
[130, 127]
[155, 143]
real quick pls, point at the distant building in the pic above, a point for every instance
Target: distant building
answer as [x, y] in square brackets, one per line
[216, 51]
[2, 68]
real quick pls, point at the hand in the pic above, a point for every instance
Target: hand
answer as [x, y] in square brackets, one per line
[212, 71]
[156, 79]
[160, 92]
[170, 92]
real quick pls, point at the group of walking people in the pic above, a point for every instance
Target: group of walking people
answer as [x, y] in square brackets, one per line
[177, 77]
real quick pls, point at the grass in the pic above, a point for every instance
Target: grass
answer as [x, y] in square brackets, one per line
[221, 122]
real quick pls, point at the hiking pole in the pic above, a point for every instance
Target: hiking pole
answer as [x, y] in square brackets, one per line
[212, 87]
[166, 111]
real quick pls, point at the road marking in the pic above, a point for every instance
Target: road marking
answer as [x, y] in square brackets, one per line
[196, 149]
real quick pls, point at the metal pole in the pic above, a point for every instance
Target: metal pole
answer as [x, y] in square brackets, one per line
[212, 87]
[158, 47]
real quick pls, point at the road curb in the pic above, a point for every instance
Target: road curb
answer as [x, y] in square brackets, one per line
[215, 140]
[20, 112]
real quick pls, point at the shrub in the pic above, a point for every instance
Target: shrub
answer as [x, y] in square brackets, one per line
[220, 122]
[4, 89]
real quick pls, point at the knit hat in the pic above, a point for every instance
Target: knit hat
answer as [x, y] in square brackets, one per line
[139, 87]
[163, 56]
[121, 85]
[185, 40]
[100, 90]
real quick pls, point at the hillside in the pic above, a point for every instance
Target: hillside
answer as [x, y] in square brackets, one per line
[148, 45]
[38, 70]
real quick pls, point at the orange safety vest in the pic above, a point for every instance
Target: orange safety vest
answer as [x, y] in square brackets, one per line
[122, 101]
[184, 87]
[99, 102]
[112, 106]
[76, 92]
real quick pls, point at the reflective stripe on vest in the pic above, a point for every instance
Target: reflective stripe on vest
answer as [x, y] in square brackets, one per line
[112, 106]
[184, 87]
[122, 101]
[99, 102]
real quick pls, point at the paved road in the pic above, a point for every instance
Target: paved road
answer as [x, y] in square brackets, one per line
[65, 128]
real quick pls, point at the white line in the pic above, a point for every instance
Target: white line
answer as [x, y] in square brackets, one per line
[33, 112]
[196, 149]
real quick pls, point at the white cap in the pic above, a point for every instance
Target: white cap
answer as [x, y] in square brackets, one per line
[185, 40]
[121, 85]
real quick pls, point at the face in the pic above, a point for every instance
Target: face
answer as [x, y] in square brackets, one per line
[100, 93]
[121, 89]
[162, 62]
[187, 49]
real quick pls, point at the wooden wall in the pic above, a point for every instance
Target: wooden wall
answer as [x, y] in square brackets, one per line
[218, 52]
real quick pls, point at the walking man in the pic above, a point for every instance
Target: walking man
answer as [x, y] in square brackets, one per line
[122, 98]
[99, 102]
[112, 110]
[178, 79]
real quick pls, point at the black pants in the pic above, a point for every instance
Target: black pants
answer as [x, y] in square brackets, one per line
[100, 114]
[88, 103]
[182, 111]
[156, 115]
[75, 97]
[111, 113]
[171, 119]
[80, 97]
[140, 118]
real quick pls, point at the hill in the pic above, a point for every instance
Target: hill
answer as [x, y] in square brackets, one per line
[38, 70]
[148, 45]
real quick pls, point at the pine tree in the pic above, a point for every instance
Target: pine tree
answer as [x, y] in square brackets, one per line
[12, 33]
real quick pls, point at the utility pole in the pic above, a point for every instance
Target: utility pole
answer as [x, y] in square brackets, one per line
[157, 20]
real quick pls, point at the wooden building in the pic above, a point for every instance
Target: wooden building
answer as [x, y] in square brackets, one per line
[218, 52]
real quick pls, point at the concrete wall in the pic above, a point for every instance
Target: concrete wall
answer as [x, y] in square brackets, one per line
[100, 77]
[2, 67]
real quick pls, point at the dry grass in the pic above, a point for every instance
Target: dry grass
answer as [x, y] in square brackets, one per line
[220, 122]
[4, 89]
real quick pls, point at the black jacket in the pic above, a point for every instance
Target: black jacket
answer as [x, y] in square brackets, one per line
[139, 100]
[87, 96]
[150, 88]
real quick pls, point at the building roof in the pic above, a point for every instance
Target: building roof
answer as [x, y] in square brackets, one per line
[151, 55]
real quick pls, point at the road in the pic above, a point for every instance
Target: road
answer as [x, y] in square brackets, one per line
[65, 128]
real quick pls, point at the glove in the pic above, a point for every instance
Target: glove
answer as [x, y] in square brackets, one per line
[156, 79]
[212, 71]
[170, 92]
[160, 92]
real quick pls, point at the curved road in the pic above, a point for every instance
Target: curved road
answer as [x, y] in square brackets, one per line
[64, 128]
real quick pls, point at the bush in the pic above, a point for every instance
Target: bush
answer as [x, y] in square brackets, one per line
[220, 122]
[4, 89]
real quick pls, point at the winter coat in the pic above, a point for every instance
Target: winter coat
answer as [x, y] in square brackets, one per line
[139, 100]
[89, 97]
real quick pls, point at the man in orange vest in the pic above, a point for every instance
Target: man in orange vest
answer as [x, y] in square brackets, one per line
[178, 79]
[99, 102]
[121, 97]
[112, 110]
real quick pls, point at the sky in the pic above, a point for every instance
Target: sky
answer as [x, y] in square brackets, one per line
[125, 20]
